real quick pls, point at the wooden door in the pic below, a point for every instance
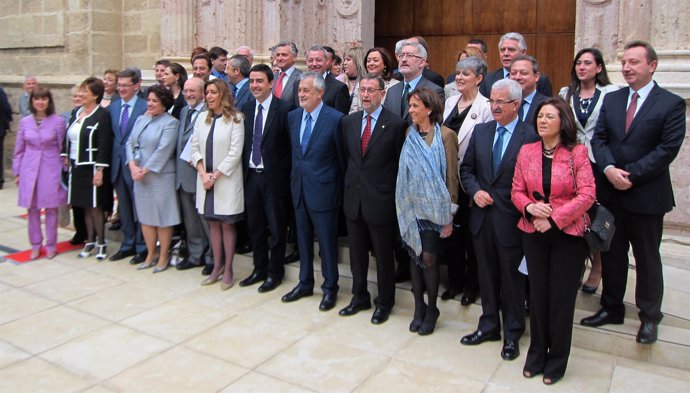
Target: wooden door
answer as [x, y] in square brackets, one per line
[447, 25]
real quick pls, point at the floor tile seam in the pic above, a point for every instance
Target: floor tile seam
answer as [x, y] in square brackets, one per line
[33, 313]
[283, 381]
[36, 282]
[74, 372]
[609, 331]
[374, 372]
[375, 351]
[15, 346]
[67, 301]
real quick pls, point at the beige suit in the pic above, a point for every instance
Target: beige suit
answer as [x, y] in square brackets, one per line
[228, 140]
[480, 112]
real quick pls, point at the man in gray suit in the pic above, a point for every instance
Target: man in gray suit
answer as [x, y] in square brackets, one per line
[196, 229]
[412, 60]
[285, 54]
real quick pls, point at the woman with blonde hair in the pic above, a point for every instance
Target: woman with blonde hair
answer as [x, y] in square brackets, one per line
[353, 70]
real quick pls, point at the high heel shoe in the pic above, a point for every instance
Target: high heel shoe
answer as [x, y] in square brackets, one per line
[145, 265]
[161, 269]
[102, 251]
[419, 314]
[86, 251]
[50, 254]
[210, 280]
[225, 287]
[35, 253]
[429, 323]
[590, 290]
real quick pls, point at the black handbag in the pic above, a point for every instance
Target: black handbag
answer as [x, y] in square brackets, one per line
[599, 233]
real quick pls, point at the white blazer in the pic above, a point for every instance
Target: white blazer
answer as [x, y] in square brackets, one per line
[480, 112]
[228, 140]
[584, 134]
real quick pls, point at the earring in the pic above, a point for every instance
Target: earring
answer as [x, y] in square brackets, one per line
[428, 114]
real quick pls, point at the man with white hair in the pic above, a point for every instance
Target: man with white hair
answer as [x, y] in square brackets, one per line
[246, 52]
[510, 46]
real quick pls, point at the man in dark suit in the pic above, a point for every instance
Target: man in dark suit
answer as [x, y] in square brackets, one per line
[487, 176]
[196, 229]
[238, 73]
[266, 165]
[316, 185]
[123, 113]
[285, 54]
[373, 139]
[411, 59]
[525, 70]
[638, 135]
[335, 94]
[5, 120]
[510, 46]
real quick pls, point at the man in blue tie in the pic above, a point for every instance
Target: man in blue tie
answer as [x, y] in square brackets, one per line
[487, 177]
[316, 183]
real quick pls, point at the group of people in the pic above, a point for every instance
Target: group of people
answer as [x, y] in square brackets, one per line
[487, 171]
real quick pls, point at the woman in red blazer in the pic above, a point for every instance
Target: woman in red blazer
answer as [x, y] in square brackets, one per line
[553, 187]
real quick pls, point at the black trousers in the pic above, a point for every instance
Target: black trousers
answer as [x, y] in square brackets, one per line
[460, 256]
[266, 209]
[382, 238]
[642, 232]
[501, 285]
[554, 261]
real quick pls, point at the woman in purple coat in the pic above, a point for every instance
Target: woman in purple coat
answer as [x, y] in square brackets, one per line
[37, 168]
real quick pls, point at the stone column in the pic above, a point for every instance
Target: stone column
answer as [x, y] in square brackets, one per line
[177, 28]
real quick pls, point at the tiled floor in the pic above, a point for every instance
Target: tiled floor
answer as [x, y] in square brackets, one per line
[78, 325]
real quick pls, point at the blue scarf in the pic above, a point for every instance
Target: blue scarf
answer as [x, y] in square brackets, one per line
[421, 192]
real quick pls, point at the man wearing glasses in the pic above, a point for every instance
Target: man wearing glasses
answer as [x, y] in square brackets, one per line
[123, 114]
[487, 177]
[411, 63]
[373, 139]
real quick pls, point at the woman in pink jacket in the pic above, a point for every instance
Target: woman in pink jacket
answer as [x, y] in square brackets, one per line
[37, 168]
[553, 187]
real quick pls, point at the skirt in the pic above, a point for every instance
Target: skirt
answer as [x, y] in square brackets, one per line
[82, 193]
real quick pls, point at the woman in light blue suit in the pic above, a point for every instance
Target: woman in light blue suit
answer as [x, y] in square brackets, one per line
[150, 156]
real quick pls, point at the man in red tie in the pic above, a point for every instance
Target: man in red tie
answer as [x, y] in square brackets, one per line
[285, 54]
[638, 135]
[372, 140]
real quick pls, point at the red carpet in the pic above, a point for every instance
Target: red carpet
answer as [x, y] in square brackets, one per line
[23, 256]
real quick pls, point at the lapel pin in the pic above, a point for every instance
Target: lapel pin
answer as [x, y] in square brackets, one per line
[473, 116]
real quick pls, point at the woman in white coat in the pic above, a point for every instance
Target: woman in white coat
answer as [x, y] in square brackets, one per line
[216, 147]
[585, 94]
[462, 112]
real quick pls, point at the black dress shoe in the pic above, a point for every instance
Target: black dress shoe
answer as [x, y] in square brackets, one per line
[115, 226]
[243, 249]
[293, 257]
[186, 265]
[449, 293]
[468, 298]
[208, 269]
[138, 258]
[252, 279]
[589, 290]
[429, 323]
[122, 254]
[380, 316]
[602, 317]
[77, 240]
[269, 285]
[647, 333]
[296, 294]
[327, 302]
[353, 308]
[511, 350]
[479, 337]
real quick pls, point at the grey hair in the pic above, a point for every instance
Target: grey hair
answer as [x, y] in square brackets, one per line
[293, 47]
[514, 89]
[515, 37]
[399, 46]
[242, 63]
[319, 82]
[531, 59]
[474, 64]
[318, 48]
[421, 52]
[251, 51]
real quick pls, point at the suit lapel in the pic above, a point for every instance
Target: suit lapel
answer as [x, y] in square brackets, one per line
[646, 105]
[316, 129]
[270, 118]
[377, 132]
[295, 127]
[513, 147]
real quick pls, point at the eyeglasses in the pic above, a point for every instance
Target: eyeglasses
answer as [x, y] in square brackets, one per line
[402, 56]
[499, 102]
[369, 90]
[123, 86]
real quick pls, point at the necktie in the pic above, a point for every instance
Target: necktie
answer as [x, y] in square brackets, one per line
[124, 119]
[278, 91]
[190, 113]
[521, 111]
[498, 148]
[630, 114]
[307, 134]
[256, 138]
[403, 106]
[234, 92]
[366, 135]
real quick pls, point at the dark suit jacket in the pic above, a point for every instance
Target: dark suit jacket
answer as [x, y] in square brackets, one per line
[95, 139]
[275, 144]
[5, 112]
[316, 175]
[543, 84]
[370, 178]
[393, 100]
[185, 174]
[477, 174]
[178, 105]
[242, 96]
[119, 158]
[336, 95]
[538, 98]
[646, 150]
[290, 89]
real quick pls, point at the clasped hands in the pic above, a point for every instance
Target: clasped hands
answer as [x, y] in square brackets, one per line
[540, 212]
[137, 171]
[618, 178]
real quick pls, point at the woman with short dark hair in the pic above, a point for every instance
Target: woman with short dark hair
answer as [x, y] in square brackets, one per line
[151, 160]
[174, 77]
